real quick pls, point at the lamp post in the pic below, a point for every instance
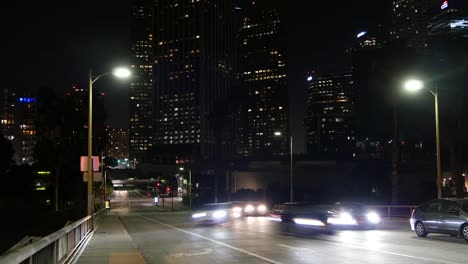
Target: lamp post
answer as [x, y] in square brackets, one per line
[414, 86]
[190, 185]
[119, 73]
[278, 134]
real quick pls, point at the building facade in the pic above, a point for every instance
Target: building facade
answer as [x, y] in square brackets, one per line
[330, 99]
[410, 19]
[118, 138]
[18, 116]
[263, 73]
[195, 76]
[141, 87]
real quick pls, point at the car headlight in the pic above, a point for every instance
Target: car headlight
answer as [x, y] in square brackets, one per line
[310, 222]
[198, 215]
[261, 208]
[373, 217]
[219, 214]
[249, 208]
[237, 209]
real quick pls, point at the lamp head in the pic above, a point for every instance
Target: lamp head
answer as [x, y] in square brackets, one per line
[413, 85]
[121, 72]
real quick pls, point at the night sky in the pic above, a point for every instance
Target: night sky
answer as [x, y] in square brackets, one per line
[53, 43]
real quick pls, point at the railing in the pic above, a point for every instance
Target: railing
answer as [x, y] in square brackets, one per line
[55, 248]
[397, 211]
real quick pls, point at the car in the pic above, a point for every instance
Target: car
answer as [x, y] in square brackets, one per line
[255, 209]
[348, 214]
[443, 216]
[327, 217]
[237, 209]
[213, 213]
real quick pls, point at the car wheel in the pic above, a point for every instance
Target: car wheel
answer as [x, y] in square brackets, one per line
[465, 231]
[420, 229]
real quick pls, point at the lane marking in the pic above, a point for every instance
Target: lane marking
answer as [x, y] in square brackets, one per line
[203, 252]
[388, 252]
[215, 241]
[291, 247]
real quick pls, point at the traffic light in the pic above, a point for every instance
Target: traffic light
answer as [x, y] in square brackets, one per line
[158, 184]
[168, 189]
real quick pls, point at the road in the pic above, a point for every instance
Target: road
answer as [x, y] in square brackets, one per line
[170, 237]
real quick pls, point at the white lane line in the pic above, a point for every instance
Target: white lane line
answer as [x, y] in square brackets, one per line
[291, 247]
[389, 253]
[202, 252]
[216, 241]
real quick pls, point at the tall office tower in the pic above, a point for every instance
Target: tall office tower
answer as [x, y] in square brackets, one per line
[330, 99]
[450, 19]
[141, 86]
[17, 120]
[194, 77]
[26, 121]
[7, 113]
[410, 20]
[263, 68]
[118, 139]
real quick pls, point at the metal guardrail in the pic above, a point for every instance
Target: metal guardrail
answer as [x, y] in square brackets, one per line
[57, 247]
[399, 211]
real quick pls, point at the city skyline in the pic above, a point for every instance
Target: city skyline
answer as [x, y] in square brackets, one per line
[73, 43]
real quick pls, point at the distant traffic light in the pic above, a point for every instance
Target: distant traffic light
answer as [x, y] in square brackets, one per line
[168, 189]
[158, 184]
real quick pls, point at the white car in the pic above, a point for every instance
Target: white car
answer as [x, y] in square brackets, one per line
[213, 213]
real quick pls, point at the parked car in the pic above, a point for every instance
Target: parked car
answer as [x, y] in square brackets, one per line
[213, 213]
[444, 216]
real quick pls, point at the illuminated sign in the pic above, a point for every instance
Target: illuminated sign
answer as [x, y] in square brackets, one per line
[444, 5]
[27, 100]
[361, 34]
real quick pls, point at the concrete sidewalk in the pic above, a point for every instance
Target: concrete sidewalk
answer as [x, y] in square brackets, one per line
[110, 244]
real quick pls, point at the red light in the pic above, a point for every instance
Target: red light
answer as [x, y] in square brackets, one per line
[168, 189]
[158, 184]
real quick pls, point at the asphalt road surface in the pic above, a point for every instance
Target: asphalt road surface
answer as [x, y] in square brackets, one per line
[170, 237]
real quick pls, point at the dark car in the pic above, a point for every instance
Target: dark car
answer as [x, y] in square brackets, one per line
[213, 213]
[255, 209]
[327, 217]
[444, 216]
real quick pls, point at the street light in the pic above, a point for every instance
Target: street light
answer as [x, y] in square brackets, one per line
[119, 73]
[190, 185]
[415, 85]
[278, 134]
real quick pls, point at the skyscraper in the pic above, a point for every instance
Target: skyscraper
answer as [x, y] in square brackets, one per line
[263, 72]
[329, 125]
[141, 87]
[450, 19]
[410, 19]
[194, 77]
[18, 121]
[118, 139]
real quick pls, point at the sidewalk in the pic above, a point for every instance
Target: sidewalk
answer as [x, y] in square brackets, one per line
[110, 244]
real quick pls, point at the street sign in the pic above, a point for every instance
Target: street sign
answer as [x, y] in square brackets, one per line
[84, 163]
[97, 176]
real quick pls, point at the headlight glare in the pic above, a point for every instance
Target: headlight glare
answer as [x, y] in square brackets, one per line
[373, 218]
[219, 214]
[249, 208]
[198, 215]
